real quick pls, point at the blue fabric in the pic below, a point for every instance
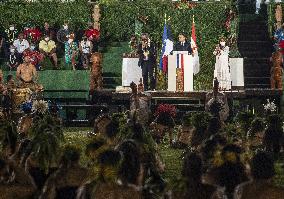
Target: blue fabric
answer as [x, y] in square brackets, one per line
[279, 35]
[166, 35]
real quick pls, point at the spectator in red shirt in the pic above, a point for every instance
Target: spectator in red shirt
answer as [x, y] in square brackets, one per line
[36, 56]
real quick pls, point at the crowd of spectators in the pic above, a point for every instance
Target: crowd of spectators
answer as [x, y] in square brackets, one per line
[46, 42]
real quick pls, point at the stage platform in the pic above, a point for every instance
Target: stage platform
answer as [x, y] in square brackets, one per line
[234, 94]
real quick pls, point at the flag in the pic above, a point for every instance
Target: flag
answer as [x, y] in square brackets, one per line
[196, 65]
[167, 48]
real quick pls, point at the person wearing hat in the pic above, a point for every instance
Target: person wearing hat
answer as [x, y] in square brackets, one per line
[85, 48]
[183, 44]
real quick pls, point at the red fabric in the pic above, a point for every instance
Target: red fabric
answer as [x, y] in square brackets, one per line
[92, 34]
[182, 69]
[281, 46]
[32, 34]
[193, 34]
[35, 56]
[165, 63]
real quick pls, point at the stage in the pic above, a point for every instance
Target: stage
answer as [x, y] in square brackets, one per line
[82, 111]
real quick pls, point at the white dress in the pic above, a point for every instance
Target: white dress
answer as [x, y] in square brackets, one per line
[222, 71]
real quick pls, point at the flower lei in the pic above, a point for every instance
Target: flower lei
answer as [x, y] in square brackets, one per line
[11, 34]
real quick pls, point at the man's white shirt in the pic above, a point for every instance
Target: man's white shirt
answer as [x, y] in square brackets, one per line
[21, 46]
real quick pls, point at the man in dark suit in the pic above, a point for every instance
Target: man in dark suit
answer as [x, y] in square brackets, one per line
[183, 44]
[147, 61]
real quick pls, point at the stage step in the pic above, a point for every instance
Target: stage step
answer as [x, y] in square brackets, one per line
[255, 45]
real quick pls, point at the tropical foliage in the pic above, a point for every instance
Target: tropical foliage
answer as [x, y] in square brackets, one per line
[119, 18]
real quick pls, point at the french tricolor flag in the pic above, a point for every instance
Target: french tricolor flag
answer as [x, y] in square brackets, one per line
[167, 48]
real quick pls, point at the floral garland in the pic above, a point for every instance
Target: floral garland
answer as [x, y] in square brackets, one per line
[11, 34]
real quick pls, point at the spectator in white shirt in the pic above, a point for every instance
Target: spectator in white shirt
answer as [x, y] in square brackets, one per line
[85, 48]
[21, 45]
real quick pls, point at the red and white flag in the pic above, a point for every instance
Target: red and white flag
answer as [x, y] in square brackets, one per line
[196, 64]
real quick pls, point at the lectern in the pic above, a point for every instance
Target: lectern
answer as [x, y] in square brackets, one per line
[180, 72]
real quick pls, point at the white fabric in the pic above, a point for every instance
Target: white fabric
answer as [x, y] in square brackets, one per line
[222, 71]
[188, 72]
[21, 46]
[86, 46]
[196, 63]
[237, 71]
[130, 71]
[169, 47]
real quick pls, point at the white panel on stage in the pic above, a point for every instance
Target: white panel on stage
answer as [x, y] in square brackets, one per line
[131, 72]
[237, 71]
[188, 72]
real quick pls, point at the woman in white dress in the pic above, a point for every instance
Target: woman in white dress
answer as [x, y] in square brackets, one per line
[222, 71]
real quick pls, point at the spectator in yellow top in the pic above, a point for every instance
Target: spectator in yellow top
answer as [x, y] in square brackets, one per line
[48, 48]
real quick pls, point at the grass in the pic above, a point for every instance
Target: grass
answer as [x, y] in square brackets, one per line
[171, 157]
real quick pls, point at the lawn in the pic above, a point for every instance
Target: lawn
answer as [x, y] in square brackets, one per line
[171, 157]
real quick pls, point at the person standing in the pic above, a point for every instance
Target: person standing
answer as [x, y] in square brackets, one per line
[147, 61]
[222, 71]
[85, 48]
[183, 44]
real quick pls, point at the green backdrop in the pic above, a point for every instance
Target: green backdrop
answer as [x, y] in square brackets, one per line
[118, 23]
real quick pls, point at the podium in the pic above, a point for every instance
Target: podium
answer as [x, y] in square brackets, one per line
[131, 72]
[178, 63]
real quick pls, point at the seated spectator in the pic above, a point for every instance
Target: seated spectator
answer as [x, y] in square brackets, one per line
[192, 185]
[85, 48]
[13, 60]
[32, 34]
[231, 171]
[273, 134]
[101, 123]
[261, 186]
[63, 33]
[67, 179]
[108, 162]
[71, 51]
[21, 45]
[48, 48]
[118, 177]
[4, 47]
[10, 82]
[26, 72]
[36, 56]
[15, 182]
[48, 31]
